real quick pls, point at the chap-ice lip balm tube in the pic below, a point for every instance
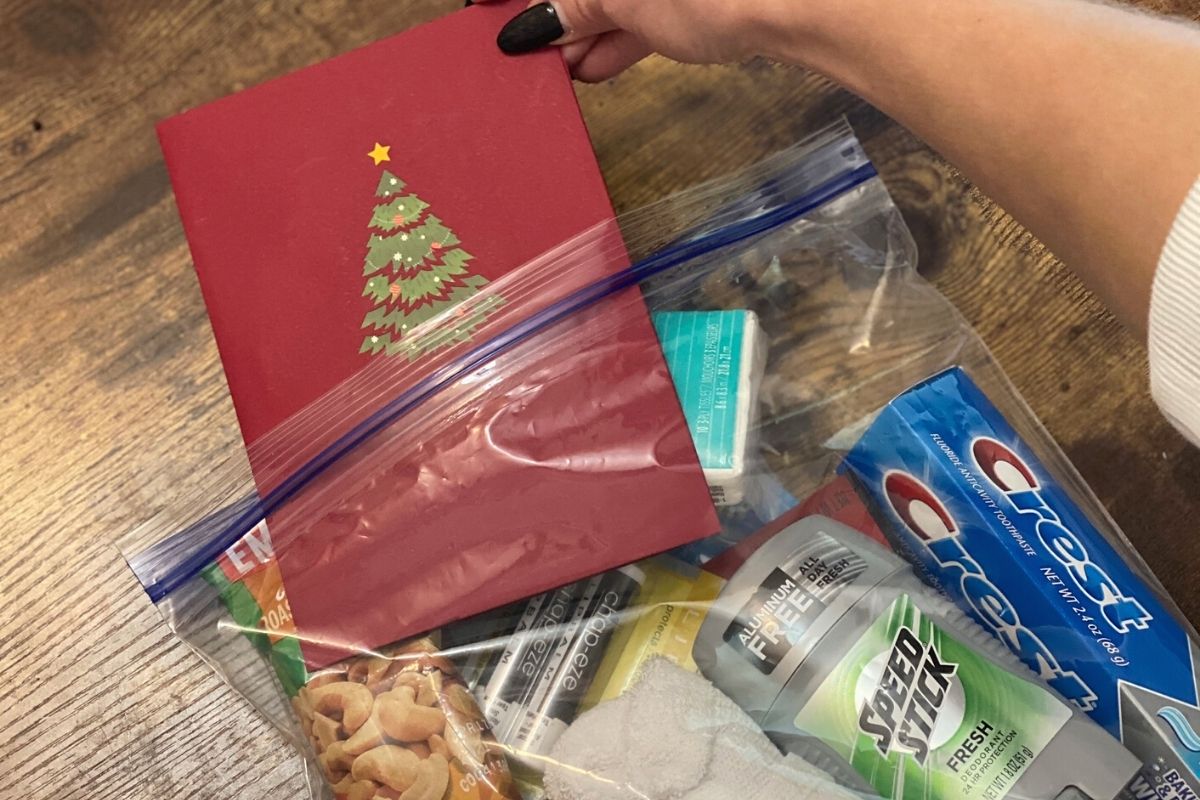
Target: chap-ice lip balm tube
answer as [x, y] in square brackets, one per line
[844, 657]
[716, 360]
[548, 666]
[969, 503]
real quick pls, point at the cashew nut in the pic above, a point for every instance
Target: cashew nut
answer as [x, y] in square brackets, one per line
[368, 670]
[304, 712]
[361, 790]
[335, 759]
[460, 699]
[340, 778]
[400, 663]
[390, 765]
[353, 700]
[428, 694]
[384, 684]
[326, 730]
[433, 776]
[343, 786]
[415, 648]
[419, 749]
[303, 707]
[430, 661]
[324, 678]
[369, 735]
[410, 678]
[402, 719]
[438, 745]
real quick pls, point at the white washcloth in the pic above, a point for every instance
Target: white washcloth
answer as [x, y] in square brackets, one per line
[674, 736]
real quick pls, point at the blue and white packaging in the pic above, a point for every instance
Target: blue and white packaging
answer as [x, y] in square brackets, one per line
[967, 501]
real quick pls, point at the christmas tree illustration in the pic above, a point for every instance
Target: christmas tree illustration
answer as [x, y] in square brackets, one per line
[415, 270]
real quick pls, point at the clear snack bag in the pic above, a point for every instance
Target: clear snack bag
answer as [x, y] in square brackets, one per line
[912, 593]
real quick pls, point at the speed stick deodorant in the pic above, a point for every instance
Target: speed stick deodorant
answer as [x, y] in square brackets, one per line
[966, 500]
[844, 657]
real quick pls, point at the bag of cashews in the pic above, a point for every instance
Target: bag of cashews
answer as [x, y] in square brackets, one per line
[897, 585]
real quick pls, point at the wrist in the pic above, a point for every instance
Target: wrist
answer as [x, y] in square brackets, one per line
[837, 38]
[788, 30]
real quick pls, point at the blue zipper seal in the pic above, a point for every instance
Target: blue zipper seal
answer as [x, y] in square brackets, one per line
[249, 513]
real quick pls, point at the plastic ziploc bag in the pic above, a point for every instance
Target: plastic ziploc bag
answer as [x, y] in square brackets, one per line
[849, 426]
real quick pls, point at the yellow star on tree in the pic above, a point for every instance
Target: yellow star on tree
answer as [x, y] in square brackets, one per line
[379, 153]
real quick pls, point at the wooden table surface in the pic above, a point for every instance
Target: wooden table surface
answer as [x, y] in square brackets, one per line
[112, 398]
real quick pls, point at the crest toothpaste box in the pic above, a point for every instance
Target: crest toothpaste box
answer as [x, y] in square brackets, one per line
[966, 500]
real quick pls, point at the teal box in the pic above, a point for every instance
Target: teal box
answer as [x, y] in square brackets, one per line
[716, 359]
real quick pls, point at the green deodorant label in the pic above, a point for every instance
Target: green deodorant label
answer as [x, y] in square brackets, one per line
[924, 717]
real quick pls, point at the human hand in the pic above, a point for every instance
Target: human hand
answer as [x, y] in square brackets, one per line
[601, 38]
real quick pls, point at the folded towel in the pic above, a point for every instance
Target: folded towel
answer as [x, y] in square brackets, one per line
[674, 736]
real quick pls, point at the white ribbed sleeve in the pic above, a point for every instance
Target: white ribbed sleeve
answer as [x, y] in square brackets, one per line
[1175, 323]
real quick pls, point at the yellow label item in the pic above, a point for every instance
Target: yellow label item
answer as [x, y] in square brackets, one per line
[663, 621]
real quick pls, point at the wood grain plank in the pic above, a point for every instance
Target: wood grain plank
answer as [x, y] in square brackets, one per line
[113, 399]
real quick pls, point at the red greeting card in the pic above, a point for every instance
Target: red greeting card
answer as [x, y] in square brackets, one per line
[357, 227]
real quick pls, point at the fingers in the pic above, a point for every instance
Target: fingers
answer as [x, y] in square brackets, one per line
[559, 22]
[574, 52]
[582, 19]
[611, 54]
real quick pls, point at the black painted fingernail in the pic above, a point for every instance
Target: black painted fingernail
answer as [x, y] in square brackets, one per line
[536, 26]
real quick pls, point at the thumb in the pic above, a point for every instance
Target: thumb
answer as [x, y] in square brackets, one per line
[557, 22]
